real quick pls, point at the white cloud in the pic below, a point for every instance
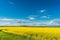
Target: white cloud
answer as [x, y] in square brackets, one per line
[31, 18]
[54, 22]
[7, 21]
[44, 17]
[42, 11]
[11, 22]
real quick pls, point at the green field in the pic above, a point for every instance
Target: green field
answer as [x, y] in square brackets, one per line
[9, 36]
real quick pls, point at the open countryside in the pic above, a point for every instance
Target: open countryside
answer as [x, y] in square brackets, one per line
[29, 33]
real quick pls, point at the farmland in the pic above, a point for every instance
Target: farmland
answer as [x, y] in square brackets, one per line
[29, 33]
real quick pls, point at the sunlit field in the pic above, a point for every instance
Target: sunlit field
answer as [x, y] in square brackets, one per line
[32, 33]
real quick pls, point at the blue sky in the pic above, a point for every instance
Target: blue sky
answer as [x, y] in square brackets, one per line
[30, 12]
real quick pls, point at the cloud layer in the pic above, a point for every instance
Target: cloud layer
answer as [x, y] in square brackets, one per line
[17, 22]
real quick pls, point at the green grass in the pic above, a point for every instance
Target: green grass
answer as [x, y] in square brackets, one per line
[9, 36]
